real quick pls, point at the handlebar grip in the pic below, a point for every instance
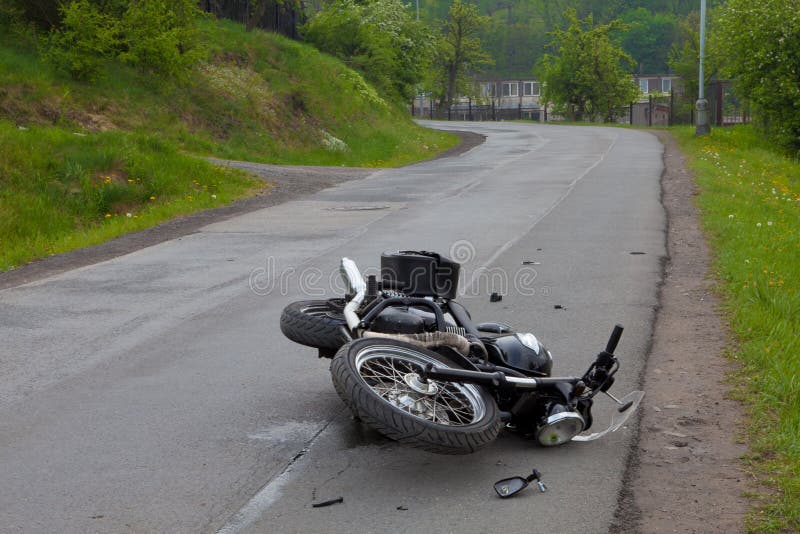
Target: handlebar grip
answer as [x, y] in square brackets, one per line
[614, 339]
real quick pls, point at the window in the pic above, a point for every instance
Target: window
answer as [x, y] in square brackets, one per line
[511, 89]
[530, 89]
[643, 86]
[666, 85]
[487, 89]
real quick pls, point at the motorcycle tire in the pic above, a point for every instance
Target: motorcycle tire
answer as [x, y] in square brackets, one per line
[315, 323]
[377, 379]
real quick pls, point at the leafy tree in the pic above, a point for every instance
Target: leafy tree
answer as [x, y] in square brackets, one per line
[684, 55]
[586, 76]
[377, 37]
[459, 51]
[648, 38]
[758, 46]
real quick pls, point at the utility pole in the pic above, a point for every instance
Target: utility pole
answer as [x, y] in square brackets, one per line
[417, 10]
[702, 127]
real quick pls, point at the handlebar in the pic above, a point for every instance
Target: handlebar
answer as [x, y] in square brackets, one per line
[614, 339]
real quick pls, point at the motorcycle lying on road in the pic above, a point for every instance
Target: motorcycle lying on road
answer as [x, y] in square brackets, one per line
[409, 362]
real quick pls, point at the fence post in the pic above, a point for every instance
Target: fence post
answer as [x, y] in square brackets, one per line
[671, 105]
[719, 97]
[494, 113]
[630, 118]
[519, 111]
[650, 112]
[469, 107]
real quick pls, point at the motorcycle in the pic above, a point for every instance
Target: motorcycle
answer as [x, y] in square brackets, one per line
[408, 361]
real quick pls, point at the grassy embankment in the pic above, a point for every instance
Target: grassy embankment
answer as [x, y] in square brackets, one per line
[750, 204]
[81, 163]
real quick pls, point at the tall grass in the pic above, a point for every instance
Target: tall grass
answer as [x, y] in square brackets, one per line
[750, 204]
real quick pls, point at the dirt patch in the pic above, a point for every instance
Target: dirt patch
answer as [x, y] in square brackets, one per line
[288, 183]
[685, 473]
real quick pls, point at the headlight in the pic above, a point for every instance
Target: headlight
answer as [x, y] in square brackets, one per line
[530, 341]
[560, 428]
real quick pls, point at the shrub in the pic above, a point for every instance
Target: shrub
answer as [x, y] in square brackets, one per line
[85, 39]
[160, 36]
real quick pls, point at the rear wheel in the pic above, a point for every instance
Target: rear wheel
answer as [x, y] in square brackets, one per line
[379, 379]
[315, 323]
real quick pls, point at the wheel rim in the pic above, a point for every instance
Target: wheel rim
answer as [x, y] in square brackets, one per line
[322, 309]
[392, 373]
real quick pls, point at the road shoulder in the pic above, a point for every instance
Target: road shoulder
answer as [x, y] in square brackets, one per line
[685, 474]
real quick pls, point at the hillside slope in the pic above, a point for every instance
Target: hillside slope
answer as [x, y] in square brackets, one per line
[81, 163]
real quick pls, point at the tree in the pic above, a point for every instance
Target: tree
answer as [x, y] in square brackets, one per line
[380, 38]
[758, 46]
[586, 77]
[459, 51]
[648, 38]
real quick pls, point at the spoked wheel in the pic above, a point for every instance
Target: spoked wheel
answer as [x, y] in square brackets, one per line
[379, 379]
[315, 323]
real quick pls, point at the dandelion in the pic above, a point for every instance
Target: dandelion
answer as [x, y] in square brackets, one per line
[730, 216]
[758, 225]
[108, 215]
[214, 196]
[769, 223]
[152, 198]
[129, 215]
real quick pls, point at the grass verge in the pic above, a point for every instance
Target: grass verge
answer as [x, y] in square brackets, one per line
[750, 204]
[61, 191]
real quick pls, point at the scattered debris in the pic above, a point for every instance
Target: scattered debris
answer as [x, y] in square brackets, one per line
[529, 262]
[327, 503]
[637, 253]
[495, 297]
[403, 508]
[559, 307]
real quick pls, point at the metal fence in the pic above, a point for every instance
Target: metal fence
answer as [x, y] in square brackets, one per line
[476, 112]
[662, 109]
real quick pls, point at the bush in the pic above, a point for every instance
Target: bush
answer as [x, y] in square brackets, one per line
[160, 36]
[155, 36]
[85, 39]
[757, 44]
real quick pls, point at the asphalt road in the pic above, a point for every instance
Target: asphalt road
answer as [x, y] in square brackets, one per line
[155, 393]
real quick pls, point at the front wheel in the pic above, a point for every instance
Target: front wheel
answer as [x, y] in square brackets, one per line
[379, 379]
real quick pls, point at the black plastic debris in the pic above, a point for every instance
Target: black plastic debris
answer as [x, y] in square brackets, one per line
[328, 503]
[530, 262]
[636, 253]
[559, 307]
[495, 297]
[403, 508]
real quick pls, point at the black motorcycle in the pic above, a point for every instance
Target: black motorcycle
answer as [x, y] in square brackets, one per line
[409, 362]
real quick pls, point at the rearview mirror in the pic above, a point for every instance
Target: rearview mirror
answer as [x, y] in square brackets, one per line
[509, 486]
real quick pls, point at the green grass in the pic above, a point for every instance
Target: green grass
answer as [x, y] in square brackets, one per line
[60, 191]
[259, 97]
[750, 204]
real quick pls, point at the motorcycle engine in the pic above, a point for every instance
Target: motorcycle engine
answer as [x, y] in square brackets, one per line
[399, 321]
